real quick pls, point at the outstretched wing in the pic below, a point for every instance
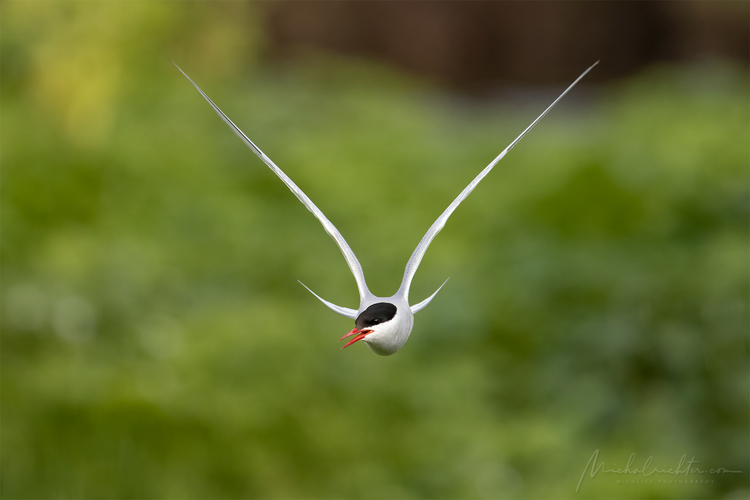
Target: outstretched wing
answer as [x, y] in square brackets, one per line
[416, 257]
[418, 307]
[334, 233]
[344, 311]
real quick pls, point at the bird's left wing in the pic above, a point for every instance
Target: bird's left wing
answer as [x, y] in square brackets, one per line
[334, 233]
[416, 257]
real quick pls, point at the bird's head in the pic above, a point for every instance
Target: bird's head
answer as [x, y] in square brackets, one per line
[383, 326]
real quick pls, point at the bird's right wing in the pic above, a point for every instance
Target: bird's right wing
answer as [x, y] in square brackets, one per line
[334, 233]
[344, 311]
[416, 257]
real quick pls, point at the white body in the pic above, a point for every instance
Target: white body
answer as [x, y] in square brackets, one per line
[389, 337]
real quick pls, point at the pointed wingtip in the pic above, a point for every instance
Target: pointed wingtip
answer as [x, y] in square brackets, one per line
[418, 307]
[586, 72]
[343, 311]
[582, 75]
[181, 71]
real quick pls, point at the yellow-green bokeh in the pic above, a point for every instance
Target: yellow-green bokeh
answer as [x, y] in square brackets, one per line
[156, 343]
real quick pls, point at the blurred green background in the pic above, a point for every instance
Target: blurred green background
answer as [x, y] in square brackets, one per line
[156, 343]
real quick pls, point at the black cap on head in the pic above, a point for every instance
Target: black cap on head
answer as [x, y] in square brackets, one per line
[375, 314]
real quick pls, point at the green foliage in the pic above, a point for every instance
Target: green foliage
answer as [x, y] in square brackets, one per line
[156, 344]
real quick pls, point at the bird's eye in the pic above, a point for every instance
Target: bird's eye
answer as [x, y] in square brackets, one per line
[375, 321]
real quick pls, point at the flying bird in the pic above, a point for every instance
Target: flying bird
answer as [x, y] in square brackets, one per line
[383, 323]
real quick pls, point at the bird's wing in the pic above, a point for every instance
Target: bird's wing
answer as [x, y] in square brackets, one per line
[416, 257]
[418, 307]
[334, 233]
[344, 311]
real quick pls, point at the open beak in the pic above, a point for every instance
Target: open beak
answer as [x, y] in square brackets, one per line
[360, 334]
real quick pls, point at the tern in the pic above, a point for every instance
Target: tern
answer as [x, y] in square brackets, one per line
[384, 323]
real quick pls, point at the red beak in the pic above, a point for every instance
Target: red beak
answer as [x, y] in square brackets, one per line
[360, 334]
